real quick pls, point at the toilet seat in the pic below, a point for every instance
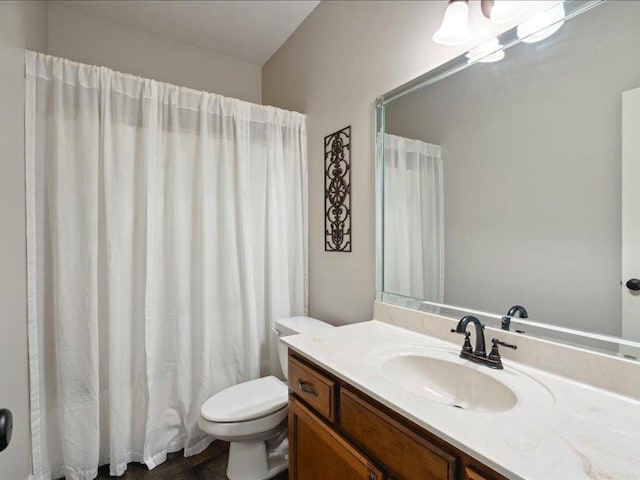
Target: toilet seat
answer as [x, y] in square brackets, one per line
[253, 410]
[252, 430]
[246, 401]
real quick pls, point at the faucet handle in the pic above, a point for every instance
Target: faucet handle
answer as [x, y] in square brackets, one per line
[463, 332]
[466, 346]
[494, 355]
[496, 342]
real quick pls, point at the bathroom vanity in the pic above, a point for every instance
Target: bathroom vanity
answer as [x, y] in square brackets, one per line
[337, 431]
[371, 401]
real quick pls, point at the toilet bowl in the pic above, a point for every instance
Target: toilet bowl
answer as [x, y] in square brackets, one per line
[252, 416]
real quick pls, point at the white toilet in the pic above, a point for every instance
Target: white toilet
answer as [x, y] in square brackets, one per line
[253, 415]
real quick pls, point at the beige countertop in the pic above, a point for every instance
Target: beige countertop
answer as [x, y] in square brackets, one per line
[559, 428]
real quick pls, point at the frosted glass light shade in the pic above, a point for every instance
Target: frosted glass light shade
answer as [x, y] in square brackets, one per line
[542, 25]
[504, 11]
[455, 25]
[486, 52]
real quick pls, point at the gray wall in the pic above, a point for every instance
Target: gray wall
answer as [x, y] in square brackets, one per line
[86, 39]
[531, 153]
[333, 67]
[22, 25]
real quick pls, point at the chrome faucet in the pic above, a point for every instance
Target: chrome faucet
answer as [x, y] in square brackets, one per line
[513, 311]
[479, 354]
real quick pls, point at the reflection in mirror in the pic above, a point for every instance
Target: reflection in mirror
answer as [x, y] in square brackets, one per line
[503, 182]
[414, 226]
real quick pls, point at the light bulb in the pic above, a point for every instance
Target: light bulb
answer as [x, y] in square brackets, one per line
[489, 51]
[455, 25]
[504, 11]
[542, 25]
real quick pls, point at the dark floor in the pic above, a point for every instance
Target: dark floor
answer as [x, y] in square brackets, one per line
[209, 465]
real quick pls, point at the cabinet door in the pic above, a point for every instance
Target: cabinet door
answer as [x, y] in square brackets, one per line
[316, 452]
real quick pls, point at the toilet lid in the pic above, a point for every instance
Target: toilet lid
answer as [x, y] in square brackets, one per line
[246, 401]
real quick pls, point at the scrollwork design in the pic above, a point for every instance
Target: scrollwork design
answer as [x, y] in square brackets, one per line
[337, 161]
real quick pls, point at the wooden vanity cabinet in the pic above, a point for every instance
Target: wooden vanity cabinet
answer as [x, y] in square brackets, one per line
[338, 433]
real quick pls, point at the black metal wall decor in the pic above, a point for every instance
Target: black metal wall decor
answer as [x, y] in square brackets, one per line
[337, 191]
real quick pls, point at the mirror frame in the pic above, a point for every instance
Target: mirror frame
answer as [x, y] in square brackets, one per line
[555, 333]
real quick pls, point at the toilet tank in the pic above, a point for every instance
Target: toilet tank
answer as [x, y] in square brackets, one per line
[294, 326]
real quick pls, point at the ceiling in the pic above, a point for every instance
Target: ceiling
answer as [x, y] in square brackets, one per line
[248, 30]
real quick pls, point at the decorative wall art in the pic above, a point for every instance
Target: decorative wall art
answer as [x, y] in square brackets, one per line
[337, 191]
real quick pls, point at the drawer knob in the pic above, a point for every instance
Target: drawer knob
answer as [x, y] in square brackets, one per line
[306, 388]
[372, 476]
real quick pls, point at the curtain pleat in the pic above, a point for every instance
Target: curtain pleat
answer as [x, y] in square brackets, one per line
[166, 235]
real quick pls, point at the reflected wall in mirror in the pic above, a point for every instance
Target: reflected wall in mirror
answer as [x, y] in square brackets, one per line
[503, 182]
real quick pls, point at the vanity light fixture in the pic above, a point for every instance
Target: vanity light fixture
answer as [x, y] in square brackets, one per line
[503, 11]
[542, 25]
[455, 24]
[486, 52]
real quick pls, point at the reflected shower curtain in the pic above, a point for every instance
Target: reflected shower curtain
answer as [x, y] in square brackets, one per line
[167, 232]
[413, 218]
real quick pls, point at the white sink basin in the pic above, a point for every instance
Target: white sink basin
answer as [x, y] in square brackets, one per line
[441, 376]
[450, 383]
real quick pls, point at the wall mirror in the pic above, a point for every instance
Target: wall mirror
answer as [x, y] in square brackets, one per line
[511, 176]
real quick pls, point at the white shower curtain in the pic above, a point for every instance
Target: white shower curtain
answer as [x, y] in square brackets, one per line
[167, 232]
[413, 218]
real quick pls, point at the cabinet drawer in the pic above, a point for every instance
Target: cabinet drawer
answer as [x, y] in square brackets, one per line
[313, 387]
[404, 454]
